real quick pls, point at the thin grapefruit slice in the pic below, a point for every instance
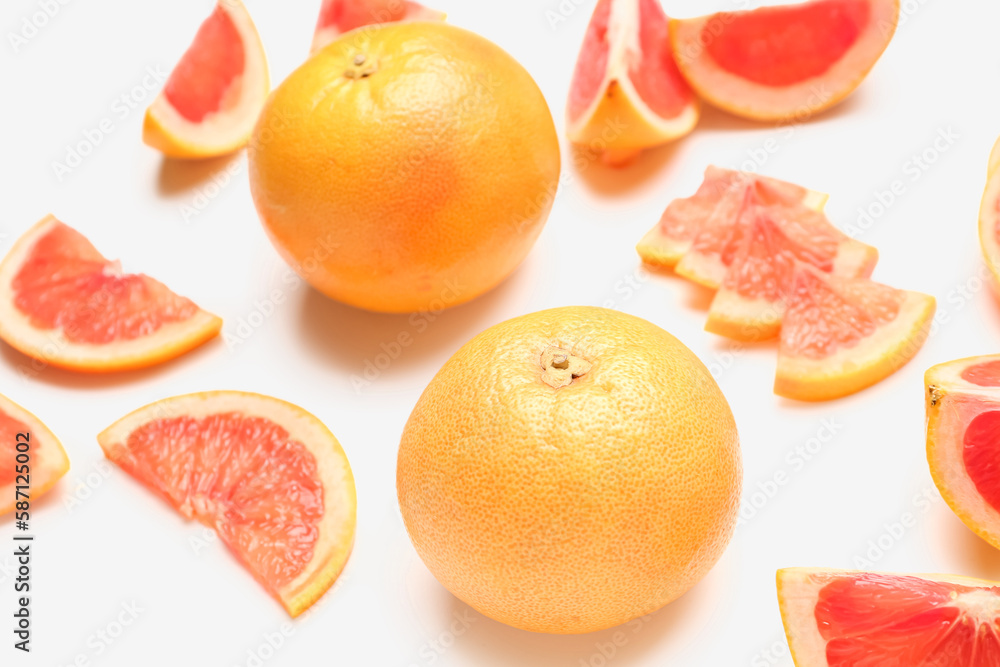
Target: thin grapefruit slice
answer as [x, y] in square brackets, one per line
[840, 618]
[750, 303]
[627, 93]
[716, 243]
[963, 440]
[672, 237]
[989, 215]
[212, 99]
[841, 335]
[266, 475]
[43, 460]
[339, 16]
[63, 304]
[784, 62]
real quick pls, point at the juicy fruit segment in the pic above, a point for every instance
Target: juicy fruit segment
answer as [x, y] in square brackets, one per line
[396, 211]
[841, 335]
[989, 215]
[755, 267]
[339, 16]
[47, 458]
[267, 476]
[666, 244]
[516, 517]
[627, 93]
[836, 618]
[211, 101]
[963, 418]
[787, 61]
[64, 304]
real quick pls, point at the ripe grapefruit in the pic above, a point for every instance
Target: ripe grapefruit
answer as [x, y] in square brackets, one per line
[339, 16]
[569, 470]
[266, 475]
[211, 101]
[785, 62]
[838, 618]
[64, 304]
[963, 447]
[42, 464]
[841, 335]
[627, 93]
[667, 243]
[989, 215]
[409, 171]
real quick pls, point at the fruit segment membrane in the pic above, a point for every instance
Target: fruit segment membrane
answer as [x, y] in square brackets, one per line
[208, 69]
[9, 428]
[873, 619]
[64, 283]
[781, 46]
[984, 375]
[241, 475]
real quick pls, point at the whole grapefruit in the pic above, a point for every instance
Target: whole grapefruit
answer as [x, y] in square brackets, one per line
[405, 167]
[569, 470]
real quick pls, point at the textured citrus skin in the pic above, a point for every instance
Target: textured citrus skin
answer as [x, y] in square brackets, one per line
[405, 167]
[573, 509]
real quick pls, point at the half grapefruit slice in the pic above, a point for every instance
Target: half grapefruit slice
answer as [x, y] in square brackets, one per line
[673, 236]
[63, 304]
[21, 433]
[627, 93]
[785, 62]
[716, 243]
[963, 440]
[840, 618]
[266, 475]
[339, 16]
[989, 215]
[841, 335]
[211, 101]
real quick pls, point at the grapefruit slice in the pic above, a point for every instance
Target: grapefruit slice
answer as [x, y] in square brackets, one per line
[339, 16]
[627, 93]
[716, 243]
[46, 459]
[664, 245]
[266, 475]
[963, 440]
[63, 304]
[786, 62]
[750, 303]
[841, 335]
[989, 215]
[211, 101]
[840, 618]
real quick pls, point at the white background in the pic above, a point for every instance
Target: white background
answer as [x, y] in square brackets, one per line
[119, 544]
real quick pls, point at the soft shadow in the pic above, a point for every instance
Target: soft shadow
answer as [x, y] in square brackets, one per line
[978, 558]
[615, 181]
[350, 338]
[33, 369]
[699, 296]
[178, 176]
[489, 643]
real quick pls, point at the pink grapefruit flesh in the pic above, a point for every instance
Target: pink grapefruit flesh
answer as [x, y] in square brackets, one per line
[339, 16]
[43, 462]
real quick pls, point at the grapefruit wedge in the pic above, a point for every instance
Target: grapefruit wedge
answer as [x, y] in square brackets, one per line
[989, 215]
[840, 618]
[716, 243]
[339, 16]
[963, 440]
[785, 62]
[65, 305]
[211, 101]
[266, 475]
[673, 236]
[43, 460]
[841, 335]
[627, 93]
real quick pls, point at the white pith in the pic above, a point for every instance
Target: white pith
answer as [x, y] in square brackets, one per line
[48, 458]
